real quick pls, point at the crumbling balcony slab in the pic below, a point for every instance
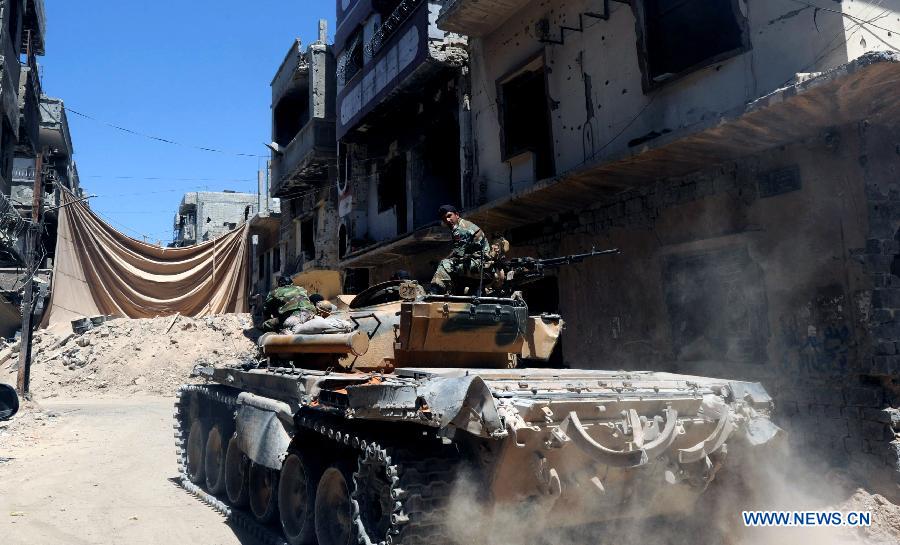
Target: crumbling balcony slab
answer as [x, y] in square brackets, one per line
[305, 162]
[862, 89]
[476, 18]
[421, 240]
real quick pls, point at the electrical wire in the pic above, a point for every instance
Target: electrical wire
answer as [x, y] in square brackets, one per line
[159, 138]
[855, 19]
[165, 178]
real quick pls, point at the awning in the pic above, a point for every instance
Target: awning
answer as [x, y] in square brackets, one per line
[424, 239]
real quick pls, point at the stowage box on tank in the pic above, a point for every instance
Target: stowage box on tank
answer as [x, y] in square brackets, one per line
[365, 437]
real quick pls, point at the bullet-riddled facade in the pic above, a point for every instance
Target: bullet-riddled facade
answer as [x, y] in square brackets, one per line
[304, 165]
[399, 88]
[743, 157]
[207, 215]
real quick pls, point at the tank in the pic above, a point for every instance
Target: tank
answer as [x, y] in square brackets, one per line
[433, 405]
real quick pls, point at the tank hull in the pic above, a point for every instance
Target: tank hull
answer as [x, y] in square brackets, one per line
[572, 446]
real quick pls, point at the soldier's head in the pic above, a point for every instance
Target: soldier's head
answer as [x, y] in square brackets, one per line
[449, 215]
[401, 274]
[284, 280]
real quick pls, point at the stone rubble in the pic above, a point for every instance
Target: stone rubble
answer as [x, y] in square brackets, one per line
[125, 357]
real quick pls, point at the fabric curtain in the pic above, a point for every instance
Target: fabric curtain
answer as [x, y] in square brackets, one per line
[98, 270]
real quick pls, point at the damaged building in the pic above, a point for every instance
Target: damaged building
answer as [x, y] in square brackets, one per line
[303, 167]
[34, 137]
[745, 158]
[400, 85]
[207, 215]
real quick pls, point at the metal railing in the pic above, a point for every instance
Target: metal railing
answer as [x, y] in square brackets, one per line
[391, 25]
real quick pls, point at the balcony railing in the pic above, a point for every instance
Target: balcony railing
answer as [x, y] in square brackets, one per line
[391, 25]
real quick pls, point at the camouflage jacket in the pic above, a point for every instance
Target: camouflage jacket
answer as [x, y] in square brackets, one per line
[285, 300]
[469, 241]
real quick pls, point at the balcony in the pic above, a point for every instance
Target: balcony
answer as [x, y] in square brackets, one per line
[55, 127]
[405, 50]
[304, 163]
[293, 72]
[477, 18]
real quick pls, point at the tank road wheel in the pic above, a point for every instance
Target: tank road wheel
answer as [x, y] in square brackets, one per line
[372, 495]
[296, 500]
[334, 516]
[214, 460]
[195, 452]
[263, 492]
[237, 473]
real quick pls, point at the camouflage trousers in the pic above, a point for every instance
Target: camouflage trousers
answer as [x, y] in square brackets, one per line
[450, 270]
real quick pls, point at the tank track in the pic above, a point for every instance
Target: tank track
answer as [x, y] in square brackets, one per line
[225, 401]
[420, 478]
[420, 483]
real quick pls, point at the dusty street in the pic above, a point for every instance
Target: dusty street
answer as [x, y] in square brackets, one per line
[99, 472]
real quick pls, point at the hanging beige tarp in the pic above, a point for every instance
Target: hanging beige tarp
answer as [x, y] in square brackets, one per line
[101, 271]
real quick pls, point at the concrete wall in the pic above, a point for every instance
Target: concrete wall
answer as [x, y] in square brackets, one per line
[776, 268]
[599, 69]
[220, 208]
[320, 209]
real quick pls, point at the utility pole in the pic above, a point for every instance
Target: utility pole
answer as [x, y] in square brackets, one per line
[31, 241]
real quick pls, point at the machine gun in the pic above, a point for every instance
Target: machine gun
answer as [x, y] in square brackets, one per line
[519, 271]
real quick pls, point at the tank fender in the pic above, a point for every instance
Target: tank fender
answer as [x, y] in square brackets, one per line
[464, 403]
[263, 426]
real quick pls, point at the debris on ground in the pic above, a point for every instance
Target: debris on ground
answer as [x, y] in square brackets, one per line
[885, 526]
[125, 356]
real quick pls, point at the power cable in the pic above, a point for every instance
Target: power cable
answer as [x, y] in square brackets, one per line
[159, 138]
[165, 178]
[855, 19]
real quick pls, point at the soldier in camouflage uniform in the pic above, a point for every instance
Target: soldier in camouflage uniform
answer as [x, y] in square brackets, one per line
[285, 302]
[470, 248]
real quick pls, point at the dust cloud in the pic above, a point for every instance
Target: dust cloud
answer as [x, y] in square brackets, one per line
[777, 480]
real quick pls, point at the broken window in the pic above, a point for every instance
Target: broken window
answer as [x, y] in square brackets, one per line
[525, 117]
[352, 58]
[308, 239]
[385, 7]
[343, 247]
[392, 190]
[679, 36]
[276, 259]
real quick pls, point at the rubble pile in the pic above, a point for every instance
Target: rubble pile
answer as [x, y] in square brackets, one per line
[124, 356]
[885, 526]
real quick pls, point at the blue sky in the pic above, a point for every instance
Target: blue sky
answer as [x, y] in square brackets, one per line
[196, 72]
